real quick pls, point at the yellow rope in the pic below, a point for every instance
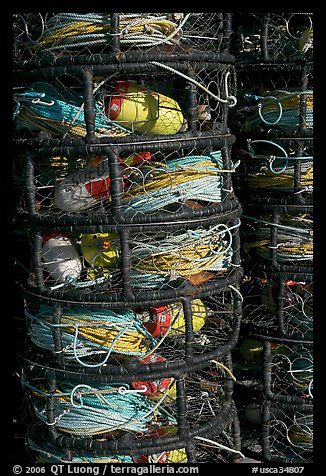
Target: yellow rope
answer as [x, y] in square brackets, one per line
[60, 127]
[181, 262]
[270, 180]
[130, 341]
[80, 28]
[170, 179]
[302, 248]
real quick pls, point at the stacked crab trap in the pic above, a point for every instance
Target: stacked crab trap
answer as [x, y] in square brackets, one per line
[132, 298]
[274, 124]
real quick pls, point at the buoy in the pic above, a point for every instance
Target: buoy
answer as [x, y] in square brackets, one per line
[199, 315]
[142, 110]
[101, 249]
[83, 189]
[61, 259]
[158, 319]
[155, 388]
[177, 456]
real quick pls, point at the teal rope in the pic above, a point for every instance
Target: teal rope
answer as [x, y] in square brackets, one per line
[91, 414]
[287, 119]
[207, 189]
[61, 105]
[77, 346]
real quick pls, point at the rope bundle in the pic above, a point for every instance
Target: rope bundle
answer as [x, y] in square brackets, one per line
[194, 177]
[86, 332]
[273, 172]
[294, 367]
[72, 30]
[294, 238]
[60, 111]
[183, 254]
[284, 182]
[278, 108]
[84, 410]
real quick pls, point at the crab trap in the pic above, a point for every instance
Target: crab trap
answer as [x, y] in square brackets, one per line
[278, 304]
[274, 101]
[184, 418]
[167, 334]
[279, 238]
[104, 102]
[143, 181]
[120, 36]
[275, 171]
[272, 37]
[136, 263]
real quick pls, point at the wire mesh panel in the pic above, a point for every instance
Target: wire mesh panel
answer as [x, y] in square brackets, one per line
[273, 37]
[62, 35]
[157, 181]
[160, 335]
[274, 101]
[279, 305]
[279, 170]
[134, 419]
[288, 434]
[106, 101]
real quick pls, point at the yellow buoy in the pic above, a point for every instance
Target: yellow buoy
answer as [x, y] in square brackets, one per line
[144, 111]
[177, 456]
[101, 249]
[199, 315]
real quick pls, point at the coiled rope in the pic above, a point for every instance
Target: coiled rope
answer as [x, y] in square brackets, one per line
[183, 253]
[282, 108]
[60, 111]
[83, 410]
[161, 184]
[279, 175]
[298, 434]
[87, 333]
[294, 240]
[71, 30]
